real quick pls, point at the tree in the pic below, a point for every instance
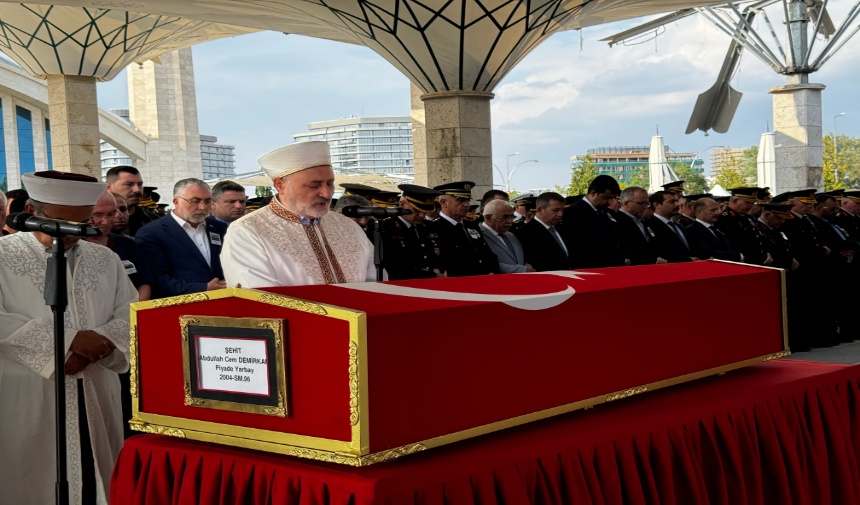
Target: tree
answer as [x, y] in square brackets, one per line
[694, 182]
[730, 175]
[263, 191]
[640, 178]
[749, 166]
[581, 177]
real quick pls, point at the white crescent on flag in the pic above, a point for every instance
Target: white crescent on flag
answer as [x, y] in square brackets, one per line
[526, 302]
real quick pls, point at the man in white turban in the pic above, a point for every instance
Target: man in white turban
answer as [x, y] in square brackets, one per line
[96, 350]
[295, 240]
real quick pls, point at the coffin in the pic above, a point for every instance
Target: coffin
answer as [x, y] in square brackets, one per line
[363, 373]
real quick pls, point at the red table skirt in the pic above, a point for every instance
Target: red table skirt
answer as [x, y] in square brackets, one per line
[777, 433]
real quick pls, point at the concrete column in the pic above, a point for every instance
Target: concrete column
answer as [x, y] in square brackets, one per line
[10, 138]
[419, 136]
[40, 147]
[459, 141]
[74, 124]
[797, 136]
[163, 105]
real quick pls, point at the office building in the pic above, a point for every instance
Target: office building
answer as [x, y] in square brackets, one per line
[626, 162]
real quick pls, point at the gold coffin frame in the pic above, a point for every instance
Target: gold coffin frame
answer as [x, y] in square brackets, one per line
[355, 452]
[276, 326]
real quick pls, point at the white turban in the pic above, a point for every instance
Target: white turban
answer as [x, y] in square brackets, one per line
[294, 158]
[60, 188]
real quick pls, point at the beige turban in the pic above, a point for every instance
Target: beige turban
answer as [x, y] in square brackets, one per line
[294, 158]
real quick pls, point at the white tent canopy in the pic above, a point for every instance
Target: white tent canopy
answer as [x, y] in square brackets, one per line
[718, 190]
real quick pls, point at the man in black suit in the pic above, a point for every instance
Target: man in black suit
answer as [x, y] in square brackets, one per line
[591, 230]
[464, 251]
[635, 235]
[706, 241]
[544, 248]
[182, 248]
[670, 242]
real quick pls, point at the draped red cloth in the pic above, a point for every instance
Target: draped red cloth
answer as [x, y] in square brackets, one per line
[785, 432]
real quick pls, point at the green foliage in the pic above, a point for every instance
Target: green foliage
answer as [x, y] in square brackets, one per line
[731, 174]
[694, 183]
[580, 177]
[841, 162]
[640, 178]
[749, 166]
[263, 191]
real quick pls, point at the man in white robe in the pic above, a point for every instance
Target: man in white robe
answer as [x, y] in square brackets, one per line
[96, 336]
[295, 240]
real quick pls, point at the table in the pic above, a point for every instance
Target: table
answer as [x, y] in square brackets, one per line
[780, 432]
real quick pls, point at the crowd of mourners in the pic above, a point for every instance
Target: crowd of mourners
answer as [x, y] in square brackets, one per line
[214, 237]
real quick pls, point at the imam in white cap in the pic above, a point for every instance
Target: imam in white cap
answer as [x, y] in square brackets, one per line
[294, 158]
[61, 188]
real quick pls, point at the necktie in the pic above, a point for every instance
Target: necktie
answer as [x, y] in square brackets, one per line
[508, 243]
[463, 229]
[557, 237]
[679, 233]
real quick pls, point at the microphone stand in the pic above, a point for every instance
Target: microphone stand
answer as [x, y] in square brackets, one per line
[57, 297]
[377, 248]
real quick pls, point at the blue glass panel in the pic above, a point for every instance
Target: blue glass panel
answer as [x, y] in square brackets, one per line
[4, 180]
[26, 153]
[48, 143]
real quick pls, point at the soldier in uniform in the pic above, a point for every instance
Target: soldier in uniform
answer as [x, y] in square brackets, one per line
[741, 229]
[849, 214]
[524, 210]
[464, 251]
[811, 252]
[686, 216]
[358, 189]
[675, 187]
[409, 249]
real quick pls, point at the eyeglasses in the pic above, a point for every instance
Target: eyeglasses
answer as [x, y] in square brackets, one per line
[100, 217]
[645, 204]
[196, 201]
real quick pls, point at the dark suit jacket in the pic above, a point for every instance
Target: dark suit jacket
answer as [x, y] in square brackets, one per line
[541, 249]
[463, 254]
[666, 243]
[635, 245]
[707, 245]
[175, 262]
[594, 236]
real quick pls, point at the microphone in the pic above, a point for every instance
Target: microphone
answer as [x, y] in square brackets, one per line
[358, 211]
[24, 221]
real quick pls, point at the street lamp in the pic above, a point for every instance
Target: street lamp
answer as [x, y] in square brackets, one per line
[511, 173]
[836, 149]
[696, 156]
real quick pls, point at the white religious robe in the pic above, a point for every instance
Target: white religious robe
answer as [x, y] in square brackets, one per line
[99, 297]
[270, 247]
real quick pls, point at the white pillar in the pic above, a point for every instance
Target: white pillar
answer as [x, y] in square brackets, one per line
[458, 139]
[10, 137]
[419, 136]
[797, 136]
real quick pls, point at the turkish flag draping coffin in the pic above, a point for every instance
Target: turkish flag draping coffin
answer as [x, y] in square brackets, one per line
[362, 373]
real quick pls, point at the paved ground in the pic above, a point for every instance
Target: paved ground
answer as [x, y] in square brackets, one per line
[844, 353]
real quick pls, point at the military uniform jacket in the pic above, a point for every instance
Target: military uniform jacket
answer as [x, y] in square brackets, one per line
[806, 242]
[409, 252]
[744, 235]
[777, 245]
[683, 220]
[464, 251]
[850, 223]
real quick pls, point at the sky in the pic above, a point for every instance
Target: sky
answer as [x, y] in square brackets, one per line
[570, 94]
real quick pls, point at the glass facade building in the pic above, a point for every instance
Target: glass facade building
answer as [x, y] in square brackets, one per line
[361, 145]
[625, 162]
[219, 160]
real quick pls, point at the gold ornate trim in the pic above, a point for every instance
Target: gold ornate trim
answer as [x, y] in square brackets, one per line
[293, 303]
[353, 384]
[776, 355]
[155, 429]
[627, 393]
[179, 300]
[132, 360]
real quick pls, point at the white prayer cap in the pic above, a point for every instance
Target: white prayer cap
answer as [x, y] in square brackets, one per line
[294, 158]
[63, 188]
